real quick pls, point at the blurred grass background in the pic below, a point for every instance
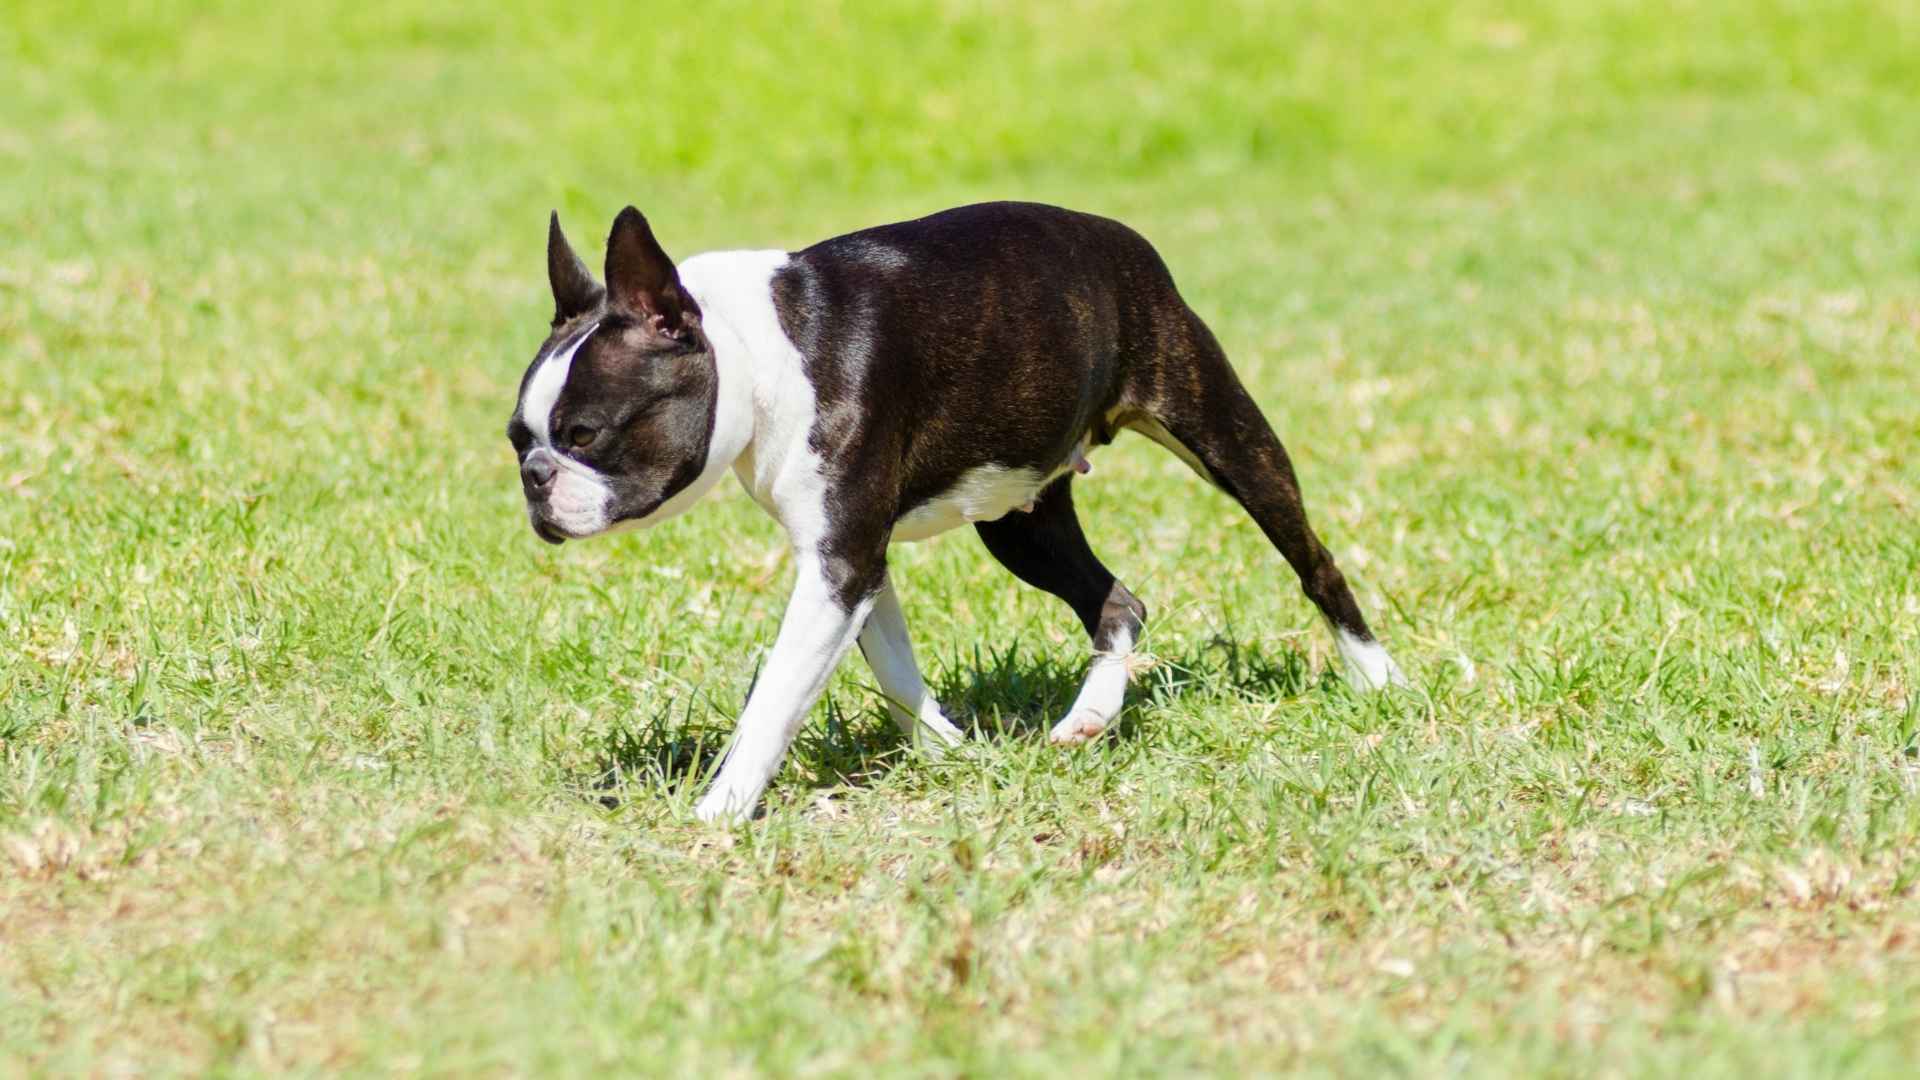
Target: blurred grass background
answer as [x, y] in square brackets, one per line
[1592, 326]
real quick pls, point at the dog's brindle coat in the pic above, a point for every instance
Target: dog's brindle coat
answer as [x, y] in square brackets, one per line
[888, 385]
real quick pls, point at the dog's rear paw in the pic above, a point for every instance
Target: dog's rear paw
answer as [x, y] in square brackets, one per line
[1377, 679]
[1081, 726]
[1369, 667]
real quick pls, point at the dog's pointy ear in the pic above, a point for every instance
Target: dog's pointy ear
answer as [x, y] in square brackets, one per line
[574, 290]
[642, 282]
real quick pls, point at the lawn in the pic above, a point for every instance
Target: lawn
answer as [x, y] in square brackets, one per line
[1593, 327]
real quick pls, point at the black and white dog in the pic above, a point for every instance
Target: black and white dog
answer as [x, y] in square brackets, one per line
[889, 385]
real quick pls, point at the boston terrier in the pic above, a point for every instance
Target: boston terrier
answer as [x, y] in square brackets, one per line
[887, 385]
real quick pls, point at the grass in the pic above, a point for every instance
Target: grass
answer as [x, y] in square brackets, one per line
[1594, 329]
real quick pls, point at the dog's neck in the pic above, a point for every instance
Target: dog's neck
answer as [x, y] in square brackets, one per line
[764, 408]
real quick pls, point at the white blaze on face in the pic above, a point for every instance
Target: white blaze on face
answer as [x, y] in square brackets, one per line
[543, 390]
[577, 505]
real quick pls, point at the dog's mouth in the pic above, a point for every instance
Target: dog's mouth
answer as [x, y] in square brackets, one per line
[547, 532]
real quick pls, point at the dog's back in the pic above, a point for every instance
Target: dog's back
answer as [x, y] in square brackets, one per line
[1009, 326]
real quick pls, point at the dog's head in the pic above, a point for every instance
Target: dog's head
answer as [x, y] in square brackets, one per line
[616, 413]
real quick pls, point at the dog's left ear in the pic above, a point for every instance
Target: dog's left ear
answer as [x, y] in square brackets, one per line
[642, 282]
[574, 290]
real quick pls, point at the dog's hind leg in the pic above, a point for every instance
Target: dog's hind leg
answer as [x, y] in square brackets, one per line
[1197, 408]
[889, 652]
[1045, 548]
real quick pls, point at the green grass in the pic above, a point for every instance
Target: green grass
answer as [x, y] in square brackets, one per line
[1594, 328]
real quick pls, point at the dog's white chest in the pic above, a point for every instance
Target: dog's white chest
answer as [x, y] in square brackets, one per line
[986, 493]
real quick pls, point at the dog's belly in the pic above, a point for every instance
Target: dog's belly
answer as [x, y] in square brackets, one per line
[985, 493]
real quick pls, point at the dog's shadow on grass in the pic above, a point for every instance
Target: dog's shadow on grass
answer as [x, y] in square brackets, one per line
[993, 696]
[1009, 696]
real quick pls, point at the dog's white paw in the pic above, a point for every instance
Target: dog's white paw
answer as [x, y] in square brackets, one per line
[1374, 680]
[1081, 726]
[933, 734]
[1369, 667]
[723, 807]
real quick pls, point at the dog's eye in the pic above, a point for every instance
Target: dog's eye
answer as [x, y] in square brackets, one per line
[582, 436]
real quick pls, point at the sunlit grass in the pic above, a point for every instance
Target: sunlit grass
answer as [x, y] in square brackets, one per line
[1594, 331]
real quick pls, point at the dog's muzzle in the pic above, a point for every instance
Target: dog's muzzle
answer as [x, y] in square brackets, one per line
[537, 475]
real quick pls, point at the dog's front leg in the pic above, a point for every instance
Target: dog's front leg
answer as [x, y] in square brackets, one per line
[823, 618]
[890, 653]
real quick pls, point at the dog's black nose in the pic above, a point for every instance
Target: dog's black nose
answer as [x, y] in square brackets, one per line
[536, 473]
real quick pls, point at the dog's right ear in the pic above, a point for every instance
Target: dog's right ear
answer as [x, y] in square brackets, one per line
[574, 290]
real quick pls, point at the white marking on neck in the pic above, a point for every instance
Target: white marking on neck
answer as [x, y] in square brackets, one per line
[543, 390]
[771, 455]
